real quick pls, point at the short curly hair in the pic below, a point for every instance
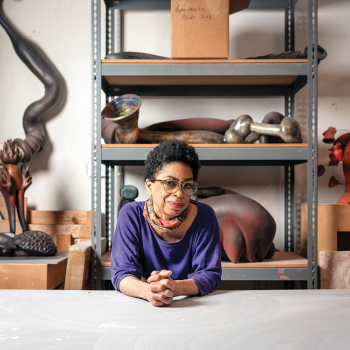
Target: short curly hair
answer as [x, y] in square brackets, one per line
[168, 152]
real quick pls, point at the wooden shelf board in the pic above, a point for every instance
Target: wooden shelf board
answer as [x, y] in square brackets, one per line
[207, 61]
[283, 145]
[279, 260]
[129, 80]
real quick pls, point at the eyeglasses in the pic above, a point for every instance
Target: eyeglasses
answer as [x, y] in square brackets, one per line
[171, 186]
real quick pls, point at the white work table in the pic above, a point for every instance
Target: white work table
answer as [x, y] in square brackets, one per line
[286, 319]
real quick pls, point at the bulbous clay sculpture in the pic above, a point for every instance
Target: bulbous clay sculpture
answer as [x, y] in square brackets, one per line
[13, 183]
[246, 228]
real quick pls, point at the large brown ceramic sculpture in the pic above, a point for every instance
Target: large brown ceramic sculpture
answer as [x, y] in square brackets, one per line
[246, 228]
[14, 181]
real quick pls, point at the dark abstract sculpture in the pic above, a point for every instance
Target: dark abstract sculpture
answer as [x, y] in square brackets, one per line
[44, 70]
[128, 193]
[28, 243]
[321, 54]
[14, 181]
[246, 228]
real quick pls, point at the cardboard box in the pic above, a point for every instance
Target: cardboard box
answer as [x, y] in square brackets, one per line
[32, 272]
[200, 28]
[78, 265]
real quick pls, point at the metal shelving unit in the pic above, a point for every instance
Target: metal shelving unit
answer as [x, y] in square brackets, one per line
[232, 78]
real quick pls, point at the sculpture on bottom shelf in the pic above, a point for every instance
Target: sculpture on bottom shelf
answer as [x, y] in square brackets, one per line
[340, 151]
[28, 243]
[246, 228]
[128, 193]
[120, 126]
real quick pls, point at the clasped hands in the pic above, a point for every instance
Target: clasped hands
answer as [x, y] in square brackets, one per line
[161, 288]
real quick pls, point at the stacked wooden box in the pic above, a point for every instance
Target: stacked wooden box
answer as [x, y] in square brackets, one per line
[64, 227]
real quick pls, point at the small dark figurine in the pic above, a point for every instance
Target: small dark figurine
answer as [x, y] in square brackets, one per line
[14, 181]
[29, 243]
[128, 193]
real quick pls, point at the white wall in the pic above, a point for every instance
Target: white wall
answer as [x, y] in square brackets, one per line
[62, 29]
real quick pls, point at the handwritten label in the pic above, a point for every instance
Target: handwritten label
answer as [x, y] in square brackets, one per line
[192, 13]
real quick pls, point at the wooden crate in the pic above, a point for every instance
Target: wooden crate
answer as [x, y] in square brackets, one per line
[332, 219]
[64, 227]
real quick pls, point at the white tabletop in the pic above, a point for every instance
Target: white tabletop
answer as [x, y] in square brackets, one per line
[287, 319]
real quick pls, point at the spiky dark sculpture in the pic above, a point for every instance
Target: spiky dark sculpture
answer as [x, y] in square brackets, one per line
[14, 181]
[34, 243]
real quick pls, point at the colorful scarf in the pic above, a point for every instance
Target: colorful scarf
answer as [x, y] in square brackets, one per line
[159, 224]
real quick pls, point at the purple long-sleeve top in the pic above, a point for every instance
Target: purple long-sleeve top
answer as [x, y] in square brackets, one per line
[137, 250]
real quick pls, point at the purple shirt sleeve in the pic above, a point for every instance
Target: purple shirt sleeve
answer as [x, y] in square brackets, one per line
[125, 254]
[206, 260]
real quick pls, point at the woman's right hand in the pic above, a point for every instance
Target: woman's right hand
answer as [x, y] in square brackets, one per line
[161, 288]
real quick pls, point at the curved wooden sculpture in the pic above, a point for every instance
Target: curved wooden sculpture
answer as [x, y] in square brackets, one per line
[246, 228]
[13, 183]
[14, 180]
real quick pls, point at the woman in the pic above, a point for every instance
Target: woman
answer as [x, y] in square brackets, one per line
[169, 245]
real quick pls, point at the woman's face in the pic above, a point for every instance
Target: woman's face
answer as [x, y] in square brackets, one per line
[168, 205]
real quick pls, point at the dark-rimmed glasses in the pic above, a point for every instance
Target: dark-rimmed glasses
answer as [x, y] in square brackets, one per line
[171, 186]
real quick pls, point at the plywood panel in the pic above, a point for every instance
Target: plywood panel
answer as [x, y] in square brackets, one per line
[39, 217]
[23, 276]
[56, 274]
[64, 242]
[332, 218]
[76, 231]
